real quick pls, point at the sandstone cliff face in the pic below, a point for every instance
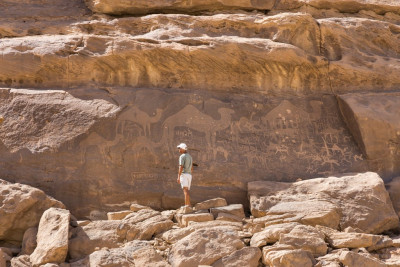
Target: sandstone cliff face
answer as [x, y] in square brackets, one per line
[251, 86]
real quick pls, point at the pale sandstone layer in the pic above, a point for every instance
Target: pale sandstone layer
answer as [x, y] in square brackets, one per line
[285, 53]
[141, 7]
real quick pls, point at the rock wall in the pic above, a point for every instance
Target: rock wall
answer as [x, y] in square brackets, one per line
[251, 86]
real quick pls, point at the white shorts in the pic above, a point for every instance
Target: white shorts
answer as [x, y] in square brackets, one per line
[186, 180]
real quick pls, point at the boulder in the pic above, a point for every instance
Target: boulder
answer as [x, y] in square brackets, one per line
[134, 253]
[137, 207]
[118, 215]
[286, 256]
[373, 120]
[352, 259]
[52, 237]
[350, 239]
[204, 246]
[146, 229]
[201, 217]
[311, 212]
[331, 259]
[247, 256]
[234, 209]
[211, 203]
[271, 234]
[21, 207]
[97, 234]
[174, 235]
[29, 241]
[222, 216]
[360, 200]
[21, 261]
[306, 238]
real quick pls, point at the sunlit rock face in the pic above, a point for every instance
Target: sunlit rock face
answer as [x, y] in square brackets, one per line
[97, 94]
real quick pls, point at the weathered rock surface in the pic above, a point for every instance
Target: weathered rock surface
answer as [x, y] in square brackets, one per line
[97, 234]
[242, 257]
[135, 253]
[271, 234]
[44, 120]
[286, 256]
[362, 200]
[393, 188]
[52, 237]
[306, 238]
[211, 203]
[204, 247]
[155, 6]
[21, 207]
[201, 217]
[29, 242]
[234, 209]
[352, 259]
[373, 120]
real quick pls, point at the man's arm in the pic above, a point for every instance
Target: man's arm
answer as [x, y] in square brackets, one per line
[179, 173]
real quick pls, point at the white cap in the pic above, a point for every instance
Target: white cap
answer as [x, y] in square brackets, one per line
[183, 146]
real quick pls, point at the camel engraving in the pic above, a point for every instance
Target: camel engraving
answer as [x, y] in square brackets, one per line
[193, 118]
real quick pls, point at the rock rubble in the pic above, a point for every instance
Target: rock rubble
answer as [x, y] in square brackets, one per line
[193, 236]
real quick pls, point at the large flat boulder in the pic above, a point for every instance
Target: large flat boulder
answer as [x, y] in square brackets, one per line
[21, 207]
[361, 200]
[97, 234]
[204, 247]
[52, 237]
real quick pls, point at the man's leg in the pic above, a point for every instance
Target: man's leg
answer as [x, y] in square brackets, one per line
[187, 197]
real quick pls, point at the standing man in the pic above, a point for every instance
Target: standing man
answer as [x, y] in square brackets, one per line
[185, 172]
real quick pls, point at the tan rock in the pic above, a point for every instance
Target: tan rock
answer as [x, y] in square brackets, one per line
[353, 240]
[168, 214]
[234, 209]
[384, 242]
[56, 105]
[137, 207]
[305, 238]
[222, 216]
[243, 257]
[271, 234]
[352, 259]
[21, 207]
[144, 7]
[29, 241]
[175, 235]
[21, 261]
[52, 237]
[135, 253]
[211, 203]
[97, 234]
[373, 120]
[144, 230]
[119, 215]
[4, 258]
[286, 256]
[371, 211]
[331, 259]
[204, 246]
[201, 217]
[312, 212]
[393, 188]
